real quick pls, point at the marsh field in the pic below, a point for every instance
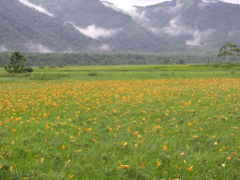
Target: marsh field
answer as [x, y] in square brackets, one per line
[121, 122]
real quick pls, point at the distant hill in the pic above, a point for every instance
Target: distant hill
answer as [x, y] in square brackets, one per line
[98, 26]
[194, 23]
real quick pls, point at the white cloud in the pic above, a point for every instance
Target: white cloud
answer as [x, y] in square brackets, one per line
[128, 4]
[3, 48]
[231, 1]
[128, 9]
[199, 37]
[100, 48]
[96, 32]
[104, 47]
[234, 33]
[176, 28]
[38, 8]
[36, 47]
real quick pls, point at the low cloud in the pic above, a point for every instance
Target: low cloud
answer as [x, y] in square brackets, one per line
[100, 48]
[104, 47]
[95, 32]
[199, 37]
[129, 10]
[38, 8]
[176, 28]
[3, 48]
[234, 33]
[35, 47]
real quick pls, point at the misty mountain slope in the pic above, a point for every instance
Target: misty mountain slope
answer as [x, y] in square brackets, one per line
[98, 26]
[85, 12]
[111, 29]
[194, 23]
[23, 28]
[134, 38]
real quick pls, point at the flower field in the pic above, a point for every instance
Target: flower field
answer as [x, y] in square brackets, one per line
[120, 129]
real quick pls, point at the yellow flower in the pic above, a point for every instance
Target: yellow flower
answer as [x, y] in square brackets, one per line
[125, 145]
[42, 160]
[159, 164]
[229, 157]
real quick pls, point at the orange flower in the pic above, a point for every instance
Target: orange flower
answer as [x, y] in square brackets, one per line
[190, 169]
[182, 154]
[125, 167]
[136, 133]
[159, 164]
[195, 137]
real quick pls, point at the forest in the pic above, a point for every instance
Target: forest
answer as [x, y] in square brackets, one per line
[93, 59]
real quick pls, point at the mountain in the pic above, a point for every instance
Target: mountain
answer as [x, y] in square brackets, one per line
[60, 25]
[99, 26]
[26, 29]
[200, 24]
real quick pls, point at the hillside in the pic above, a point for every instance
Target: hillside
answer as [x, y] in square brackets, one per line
[97, 26]
[194, 23]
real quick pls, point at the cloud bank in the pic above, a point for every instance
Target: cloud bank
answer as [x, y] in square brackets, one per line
[95, 32]
[38, 8]
[176, 28]
[3, 48]
[36, 47]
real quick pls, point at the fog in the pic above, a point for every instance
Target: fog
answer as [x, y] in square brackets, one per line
[95, 32]
[36, 47]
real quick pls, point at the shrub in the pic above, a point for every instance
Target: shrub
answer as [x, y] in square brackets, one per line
[28, 69]
[92, 74]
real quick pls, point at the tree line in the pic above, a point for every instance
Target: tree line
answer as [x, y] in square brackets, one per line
[17, 60]
[91, 59]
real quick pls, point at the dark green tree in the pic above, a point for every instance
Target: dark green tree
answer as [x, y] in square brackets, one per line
[228, 50]
[16, 63]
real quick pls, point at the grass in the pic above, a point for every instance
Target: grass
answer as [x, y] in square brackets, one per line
[120, 123]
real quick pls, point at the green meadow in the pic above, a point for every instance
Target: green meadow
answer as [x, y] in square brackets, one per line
[164, 122]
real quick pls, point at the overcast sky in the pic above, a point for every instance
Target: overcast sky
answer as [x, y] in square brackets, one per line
[127, 4]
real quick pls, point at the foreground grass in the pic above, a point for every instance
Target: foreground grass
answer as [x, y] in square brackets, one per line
[171, 128]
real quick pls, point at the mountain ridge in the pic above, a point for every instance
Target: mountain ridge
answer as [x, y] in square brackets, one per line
[94, 26]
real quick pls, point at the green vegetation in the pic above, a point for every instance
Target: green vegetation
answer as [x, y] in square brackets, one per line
[121, 122]
[100, 73]
[228, 50]
[16, 63]
[94, 59]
